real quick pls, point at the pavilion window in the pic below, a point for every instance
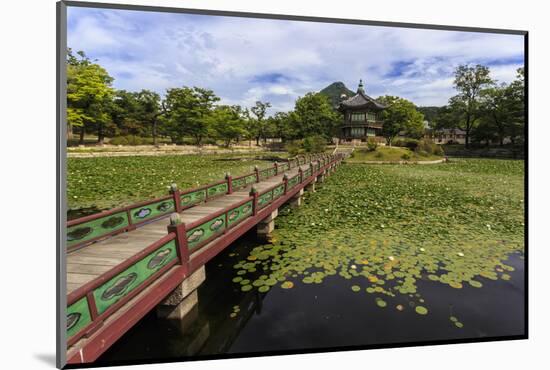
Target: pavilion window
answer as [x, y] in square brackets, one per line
[371, 116]
[357, 117]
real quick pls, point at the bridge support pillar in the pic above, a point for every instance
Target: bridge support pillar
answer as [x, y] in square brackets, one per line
[181, 302]
[266, 226]
[311, 186]
[321, 178]
[296, 200]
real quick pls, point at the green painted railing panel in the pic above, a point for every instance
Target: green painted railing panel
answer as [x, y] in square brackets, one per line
[307, 173]
[268, 172]
[239, 213]
[78, 316]
[198, 234]
[152, 210]
[217, 189]
[92, 229]
[244, 181]
[292, 182]
[278, 191]
[193, 198]
[122, 284]
[264, 199]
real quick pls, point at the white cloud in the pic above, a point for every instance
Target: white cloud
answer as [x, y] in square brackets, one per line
[236, 56]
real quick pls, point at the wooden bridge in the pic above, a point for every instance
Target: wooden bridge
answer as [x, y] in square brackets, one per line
[123, 263]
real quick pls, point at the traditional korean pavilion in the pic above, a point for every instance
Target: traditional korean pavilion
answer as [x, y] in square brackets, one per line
[361, 116]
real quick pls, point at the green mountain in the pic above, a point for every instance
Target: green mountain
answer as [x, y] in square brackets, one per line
[430, 112]
[334, 91]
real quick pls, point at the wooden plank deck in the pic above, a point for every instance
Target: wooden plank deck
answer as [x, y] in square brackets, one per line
[89, 262]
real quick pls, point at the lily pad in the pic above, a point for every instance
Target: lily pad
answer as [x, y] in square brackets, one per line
[421, 310]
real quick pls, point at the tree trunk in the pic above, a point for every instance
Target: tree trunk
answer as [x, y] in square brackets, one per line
[82, 132]
[155, 132]
[69, 132]
[100, 135]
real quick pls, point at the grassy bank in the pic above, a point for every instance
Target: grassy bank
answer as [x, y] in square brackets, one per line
[389, 154]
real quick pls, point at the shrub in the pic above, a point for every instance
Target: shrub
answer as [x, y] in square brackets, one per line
[378, 155]
[405, 156]
[294, 147]
[372, 144]
[129, 140]
[119, 140]
[428, 147]
[438, 150]
[315, 144]
[406, 143]
[422, 153]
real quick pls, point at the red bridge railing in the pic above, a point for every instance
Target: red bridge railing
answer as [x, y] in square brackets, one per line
[89, 305]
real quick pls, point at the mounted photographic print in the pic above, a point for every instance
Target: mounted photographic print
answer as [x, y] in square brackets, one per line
[240, 184]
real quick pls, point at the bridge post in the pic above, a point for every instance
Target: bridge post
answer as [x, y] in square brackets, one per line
[257, 171]
[254, 193]
[178, 227]
[276, 165]
[184, 298]
[229, 179]
[176, 195]
[285, 181]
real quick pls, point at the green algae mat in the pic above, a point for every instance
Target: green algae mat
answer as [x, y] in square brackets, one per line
[392, 226]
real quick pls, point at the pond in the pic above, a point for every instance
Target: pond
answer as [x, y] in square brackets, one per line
[378, 255]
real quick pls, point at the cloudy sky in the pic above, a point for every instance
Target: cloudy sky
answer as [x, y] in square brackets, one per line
[244, 60]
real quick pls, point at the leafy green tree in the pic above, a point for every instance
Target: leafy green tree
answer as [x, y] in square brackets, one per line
[227, 123]
[469, 81]
[125, 113]
[280, 126]
[515, 95]
[89, 92]
[187, 111]
[150, 111]
[313, 115]
[260, 129]
[400, 116]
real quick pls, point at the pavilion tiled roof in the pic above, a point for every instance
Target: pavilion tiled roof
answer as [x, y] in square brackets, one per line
[359, 100]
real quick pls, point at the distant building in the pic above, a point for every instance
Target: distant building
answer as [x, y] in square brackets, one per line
[448, 136]
[361, 116]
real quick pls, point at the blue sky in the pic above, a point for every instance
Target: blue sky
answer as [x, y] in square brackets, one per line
[244, 60]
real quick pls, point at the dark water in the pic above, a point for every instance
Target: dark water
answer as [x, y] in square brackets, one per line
[312, 316]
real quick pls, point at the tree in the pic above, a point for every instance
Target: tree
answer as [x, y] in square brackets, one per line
[188, 110]
[89, 92]
[227, 123]
[150, 110]
[125, 113]
[469, 82]
[495, 111]
[400, 116]
[259, 110]
[313, 115]
[515, 95]
[280, 125]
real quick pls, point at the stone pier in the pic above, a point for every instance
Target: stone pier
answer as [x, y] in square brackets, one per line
[311, 186]
[296, 200]
[321, 178]
[183, 300]
[266, 226]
